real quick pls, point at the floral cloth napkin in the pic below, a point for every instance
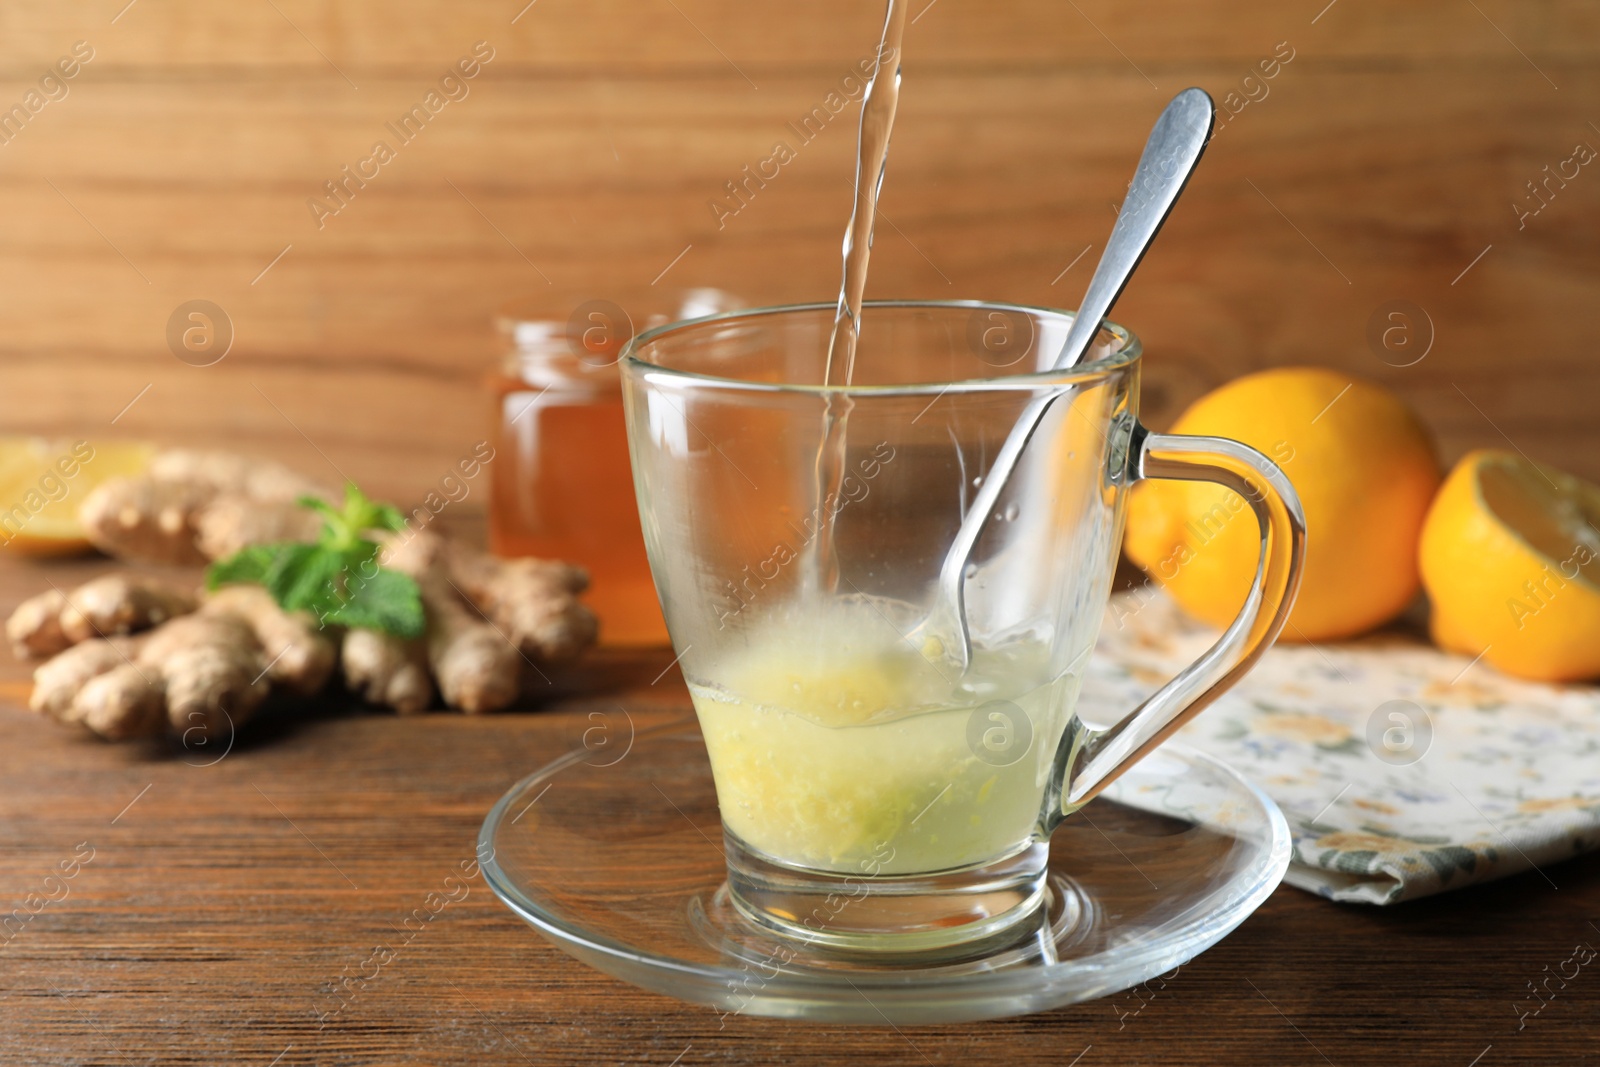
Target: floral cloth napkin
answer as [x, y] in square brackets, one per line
[1402, 770]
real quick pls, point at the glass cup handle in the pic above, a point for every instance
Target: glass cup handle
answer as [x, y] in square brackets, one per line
[1267, 490]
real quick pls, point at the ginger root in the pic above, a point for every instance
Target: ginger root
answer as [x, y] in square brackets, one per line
[388, 671]
[534, 601]
[229, 473]
[118, 604]
[300, 656]
[143, 520]
[230, 523]
[192, 506]
[204, 668]
[486, 617]
[108, 606]
[57, 682]
[212, 670]
[126, 701]
[202, 674]
[34, 629]
[477, 668]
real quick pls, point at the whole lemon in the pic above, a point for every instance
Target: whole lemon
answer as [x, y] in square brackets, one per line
[1511, 560]
[1365, 470]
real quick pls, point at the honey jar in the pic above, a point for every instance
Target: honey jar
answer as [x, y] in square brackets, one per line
[562, 487]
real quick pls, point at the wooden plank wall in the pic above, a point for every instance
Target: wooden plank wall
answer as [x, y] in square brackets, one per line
[1382, 163]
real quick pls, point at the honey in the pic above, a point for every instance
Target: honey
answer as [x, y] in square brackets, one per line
[562, 484]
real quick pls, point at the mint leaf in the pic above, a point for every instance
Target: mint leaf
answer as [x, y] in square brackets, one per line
[337, 578]
[388, 601]
[248, 566]
[360, 561]
[316, 503]
[305, 578]
[361, 513]
[390, 518]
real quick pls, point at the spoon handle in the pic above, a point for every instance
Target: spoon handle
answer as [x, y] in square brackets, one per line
[1170, 155]
[1174, 147]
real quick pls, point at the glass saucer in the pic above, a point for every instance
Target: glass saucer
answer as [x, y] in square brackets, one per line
[618, 860]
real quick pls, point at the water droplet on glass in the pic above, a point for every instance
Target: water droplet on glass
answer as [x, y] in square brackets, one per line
[1011, 512]
[972, 570]
[977, 481]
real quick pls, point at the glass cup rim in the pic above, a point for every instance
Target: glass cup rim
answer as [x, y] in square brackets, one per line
[1125, 356]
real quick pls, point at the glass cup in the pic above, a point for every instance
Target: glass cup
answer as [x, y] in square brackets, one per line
[874, 796]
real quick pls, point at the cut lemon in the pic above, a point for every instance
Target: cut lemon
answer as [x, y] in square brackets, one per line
[1510, 557]
[42, 482]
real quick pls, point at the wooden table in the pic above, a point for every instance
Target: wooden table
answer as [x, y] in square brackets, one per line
[223, 902]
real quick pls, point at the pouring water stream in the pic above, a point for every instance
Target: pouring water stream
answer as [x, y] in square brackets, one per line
[1174, 147]
[878, 106]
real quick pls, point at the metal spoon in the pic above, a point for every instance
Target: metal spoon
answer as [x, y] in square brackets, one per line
[1175, 146]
